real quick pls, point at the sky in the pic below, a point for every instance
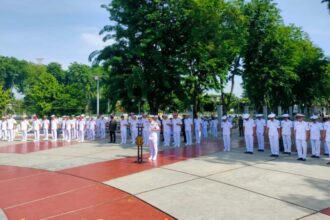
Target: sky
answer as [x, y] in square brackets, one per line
[66, 31]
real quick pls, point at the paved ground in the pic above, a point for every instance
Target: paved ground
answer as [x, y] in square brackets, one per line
[101, 181]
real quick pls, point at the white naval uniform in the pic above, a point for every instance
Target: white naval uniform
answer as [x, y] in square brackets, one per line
[167, 127]
[145, 132]
[226, 130]
[123, 131]
[68, 126]
[177, 131]
[102, 123]
[286, 126]
[24, 128]
[53, 127]
[260, 129]
[326, 127]
[248, 134]
[273, 135]
[153, 140]
[315, 137]
[81, 130]
[36, 125]
[134, 129]
[4, 130]
[45, 128]
[92, 127]
[188, 124]
[198, 128]
[205, 124]
[0, 129]
[10, 128]
[301, 142]
[214, 127]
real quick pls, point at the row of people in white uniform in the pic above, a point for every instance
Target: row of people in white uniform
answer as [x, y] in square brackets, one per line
[73, 128]
[302, 131]
[170, 127]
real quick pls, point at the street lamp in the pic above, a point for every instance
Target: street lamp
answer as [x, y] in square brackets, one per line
[97, 94]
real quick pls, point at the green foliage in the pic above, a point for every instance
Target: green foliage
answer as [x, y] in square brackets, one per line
[5, 98]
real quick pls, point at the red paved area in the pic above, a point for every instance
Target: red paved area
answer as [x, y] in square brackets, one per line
[122, 167]
[78, 194]
[326, 211]
[29, 147]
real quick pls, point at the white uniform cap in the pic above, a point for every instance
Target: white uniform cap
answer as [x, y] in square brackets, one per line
[246, 116]
[314, 117]
[286, 116]
[300, 115]
[259, 115]
[224, 117]
[52, 116]
[272, 115]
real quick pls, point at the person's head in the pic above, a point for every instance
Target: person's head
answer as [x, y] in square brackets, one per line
[34, 117]
[300, 117]
[151, 118]
[285, 117]
[175, 115]
[246, 117]
[112, 117]
[224, 118]
[271, 116]
[314, 118]
[122, 117]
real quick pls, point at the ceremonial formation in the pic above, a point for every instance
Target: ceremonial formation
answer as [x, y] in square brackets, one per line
[171, 130]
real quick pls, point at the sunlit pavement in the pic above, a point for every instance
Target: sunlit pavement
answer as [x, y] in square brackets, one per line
[102, 181]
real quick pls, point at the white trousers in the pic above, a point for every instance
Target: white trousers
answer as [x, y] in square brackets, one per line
[214, 131]
[301, 148]
[274, 144]
[226, 142]
[134, 134]
[123, 135]
[326, 147]
[249, 142]
[24, 135]
[54, 134]
[188, 137]
[36, 135]
[261, 141]
[177, 139]
[167, 138]
[4, 135]
[67, 135]
[102, 133]
[153, 148]
[198, 136]
[11, 134]
[287, 143]
[45, 131]
[327, 144]
[205, 132]
[92, 133]
[316, 144]
[81, 135]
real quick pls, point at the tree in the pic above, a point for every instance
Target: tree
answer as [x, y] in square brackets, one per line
[5, 98]
[56, 70]
[327, 2]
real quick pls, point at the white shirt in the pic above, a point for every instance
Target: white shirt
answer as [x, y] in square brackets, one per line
[92, 124]
[177, 124]
[134, 124]
[315, 129]
[205, 124]
[326, 127]
[24, 125]
[273, 127]
[81, 125]
[187, 124]
[260, 125]
[214, 123]
[226, 126]
[123, 125]
[10, 123]
[4, 125]
[197, 124]
[167, 125]
[286, 125]
[53, 124]
[45, 124]
[152, 133]
[300, 130]
[36, 124]
[248, 126]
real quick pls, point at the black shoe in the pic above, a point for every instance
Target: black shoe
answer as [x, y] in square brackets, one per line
[326, 154]
[313, 156]
[303, 159]
[299, 159]
[289, 153]
[328, 163]
[246, 152]
[261, 150]
[272, 155]
[284, 152]
[317, 157]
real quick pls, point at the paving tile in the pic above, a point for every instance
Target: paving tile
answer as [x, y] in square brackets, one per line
[317, 216]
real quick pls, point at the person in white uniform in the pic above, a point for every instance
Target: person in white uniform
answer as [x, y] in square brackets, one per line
[92, 128]
[4, 128]
[273, 131]
[53, 127]
[214, 127]
[316, 129]
[24, 128]
[177, 123]
[36, 126]
[0, 129]
[205, 125]
[167, 127]
[123, 129]
[301, 131]
[286, 131]
[198, 128]
[133, 128]
[249, 131]
[260, 130]
[326, 134]
[188, 124]
[11, 125]
[45, 127]
[226, 127]
[153, 138]
[145, 130]
[81, 129]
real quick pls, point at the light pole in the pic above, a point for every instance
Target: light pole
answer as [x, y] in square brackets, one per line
[97, 94]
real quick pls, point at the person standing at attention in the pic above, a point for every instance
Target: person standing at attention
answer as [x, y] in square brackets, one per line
[249, 131]
[153, 138]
